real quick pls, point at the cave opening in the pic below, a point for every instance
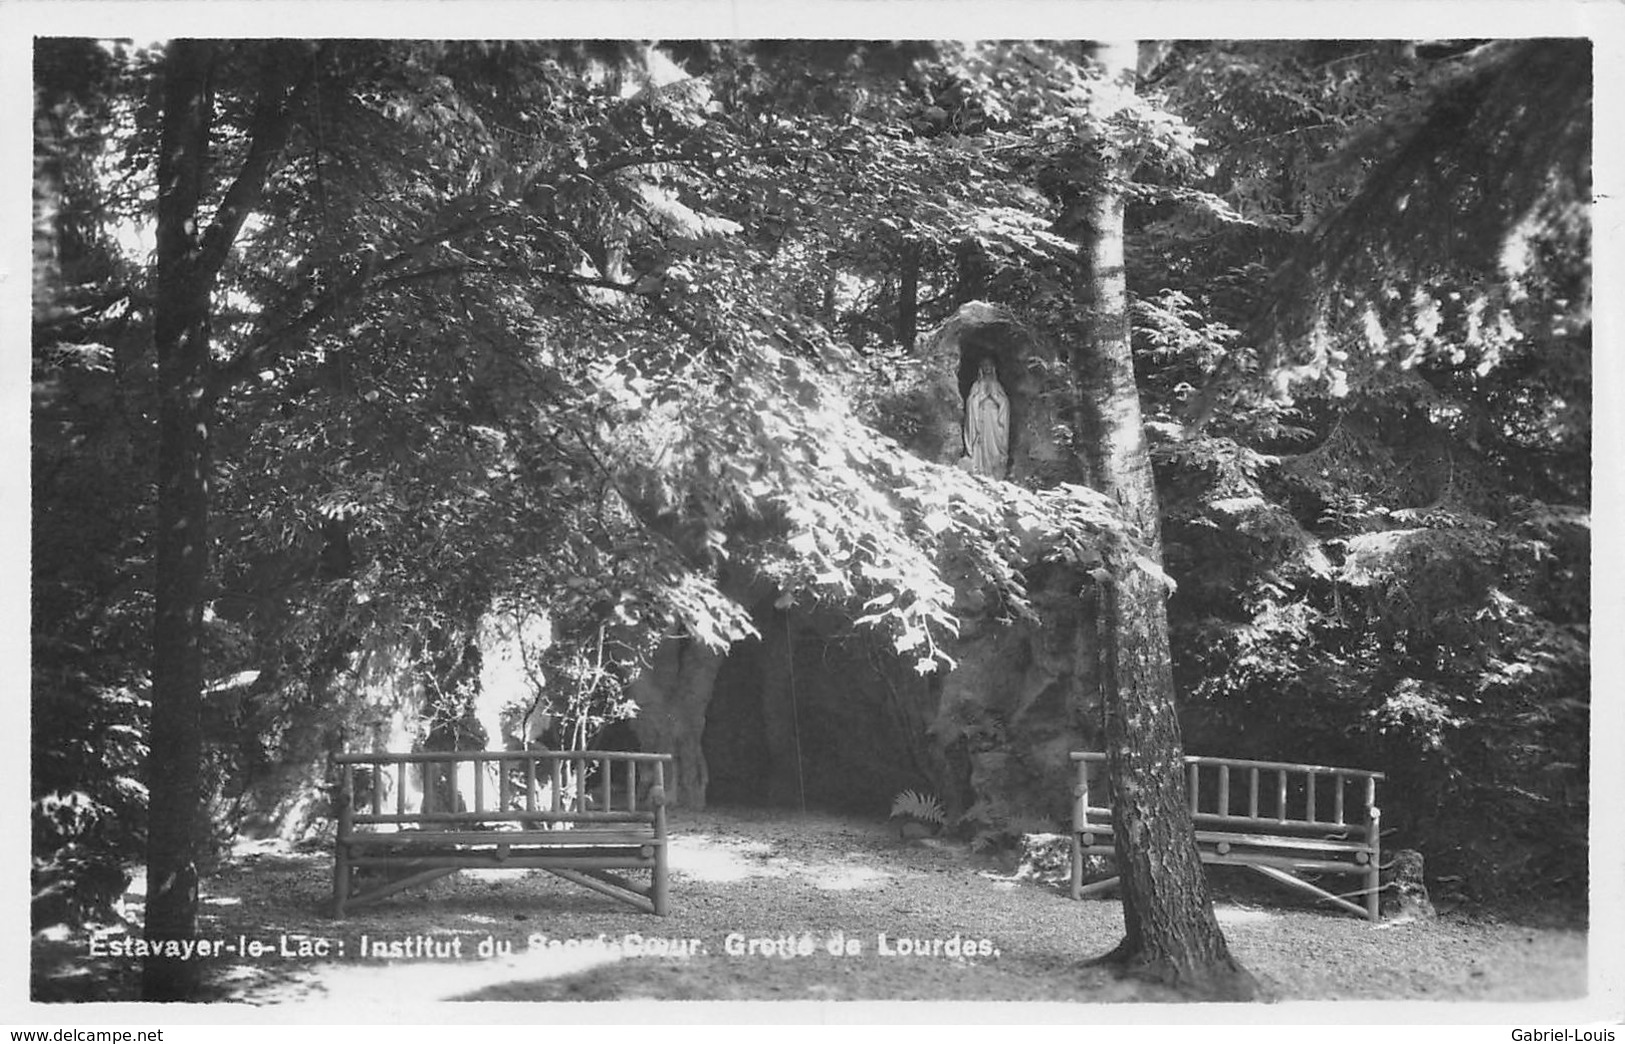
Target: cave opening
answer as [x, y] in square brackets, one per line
[814, 715]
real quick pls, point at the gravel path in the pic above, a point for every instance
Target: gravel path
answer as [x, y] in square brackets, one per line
[785, 907]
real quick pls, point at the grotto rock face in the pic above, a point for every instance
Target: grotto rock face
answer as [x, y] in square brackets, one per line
[816, 712]
[1030, 373]
[673, 695]
[819, 714]
[1022, 696]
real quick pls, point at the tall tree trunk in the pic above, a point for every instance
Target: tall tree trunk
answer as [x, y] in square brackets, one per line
[175, 833]
[1170, 933]
[971, 271]
[908, 295]
[188, 265]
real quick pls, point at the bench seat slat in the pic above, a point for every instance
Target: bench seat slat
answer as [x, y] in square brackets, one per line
[1318, 827]
[492, 838]
[1326, 866]
[1214, 837]
[1211, 857]
[482, 860]
[1259, 840]
[516, 816]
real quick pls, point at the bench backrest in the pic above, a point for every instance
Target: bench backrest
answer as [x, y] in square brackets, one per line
[1275, 796]
[525, 787]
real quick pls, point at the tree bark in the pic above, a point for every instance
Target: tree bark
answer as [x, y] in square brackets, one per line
[908, 295]
[1170, 932]
[189, 260]
[181, 335]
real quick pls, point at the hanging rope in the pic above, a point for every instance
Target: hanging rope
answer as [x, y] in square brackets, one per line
[795, 716]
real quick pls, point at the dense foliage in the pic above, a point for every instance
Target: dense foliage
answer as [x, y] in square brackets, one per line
[1383, 533]
[600, 330]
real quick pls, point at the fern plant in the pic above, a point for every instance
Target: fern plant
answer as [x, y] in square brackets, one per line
[923, 807]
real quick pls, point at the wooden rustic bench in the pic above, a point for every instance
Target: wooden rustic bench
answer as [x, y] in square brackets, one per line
[1280, 819]
[407, 819]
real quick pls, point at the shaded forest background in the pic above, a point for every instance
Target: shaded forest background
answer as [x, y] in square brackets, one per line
[659, 345]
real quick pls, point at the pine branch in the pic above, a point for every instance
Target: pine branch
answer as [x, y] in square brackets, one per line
[1504, 134]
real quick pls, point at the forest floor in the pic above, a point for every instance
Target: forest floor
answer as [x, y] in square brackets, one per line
[852, 887]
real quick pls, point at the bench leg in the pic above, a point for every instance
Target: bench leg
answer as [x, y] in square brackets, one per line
[341, 879]
[657, 882]
[1077, 866]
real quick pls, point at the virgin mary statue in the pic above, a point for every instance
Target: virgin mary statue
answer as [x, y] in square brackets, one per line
[987, 424]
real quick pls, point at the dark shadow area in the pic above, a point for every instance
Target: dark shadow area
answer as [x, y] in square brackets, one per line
[827, 727]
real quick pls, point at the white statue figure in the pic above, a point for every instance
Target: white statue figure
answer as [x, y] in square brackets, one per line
[987, 424]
